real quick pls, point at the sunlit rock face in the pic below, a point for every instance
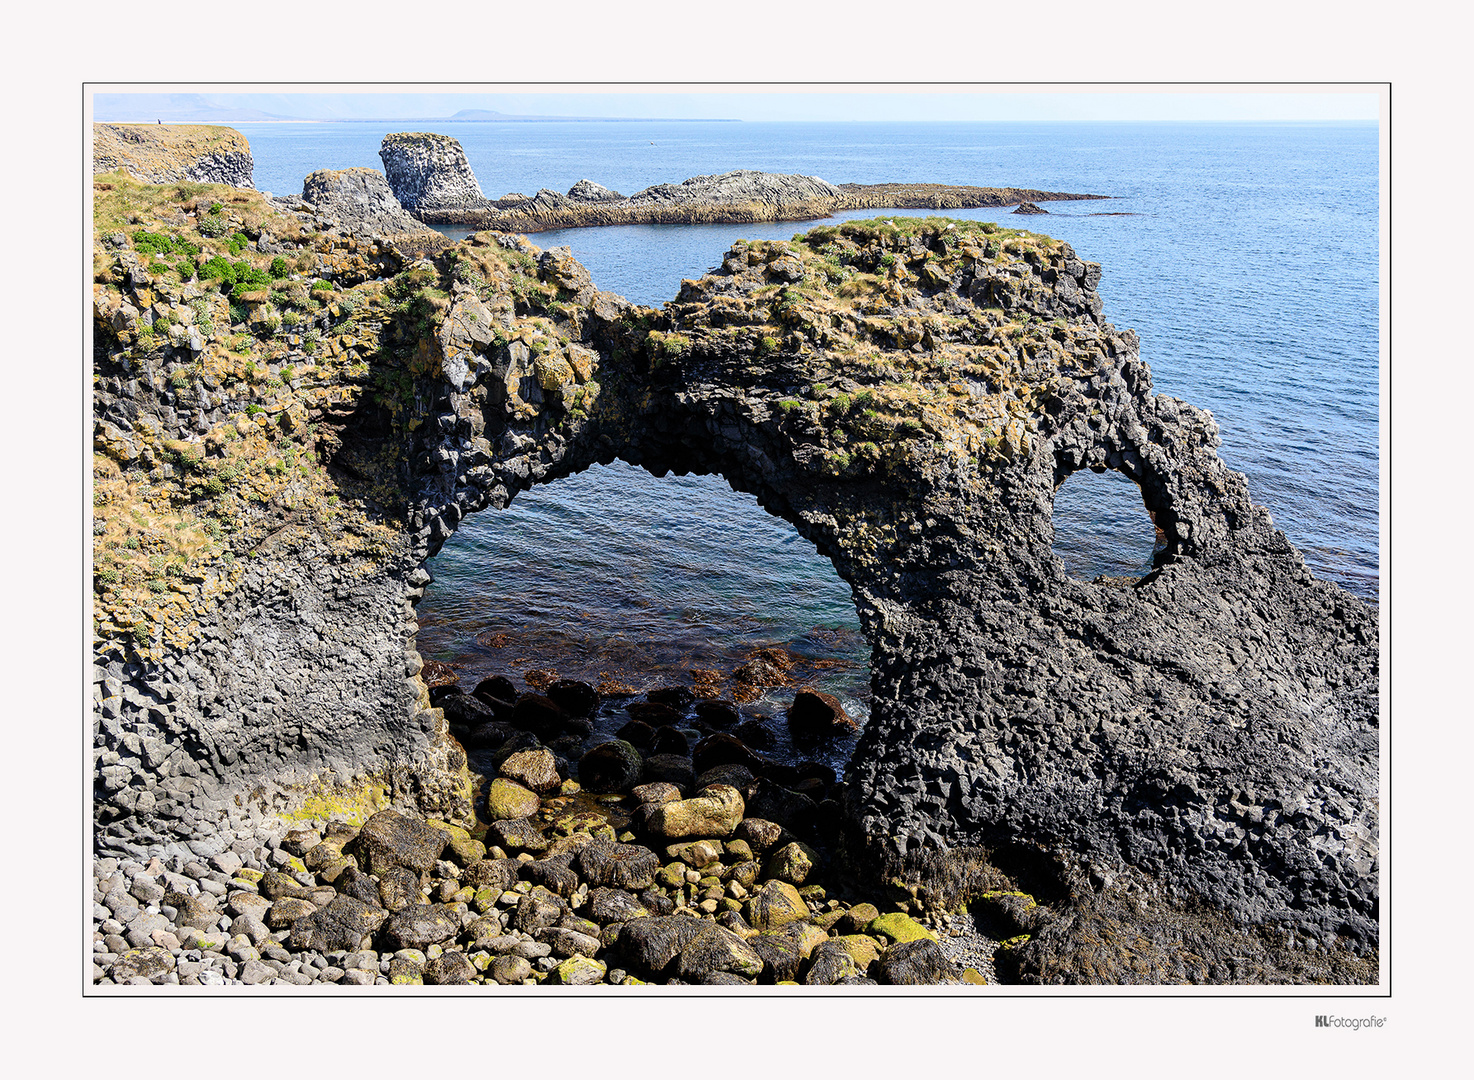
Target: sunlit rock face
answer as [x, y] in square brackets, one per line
[909, 396]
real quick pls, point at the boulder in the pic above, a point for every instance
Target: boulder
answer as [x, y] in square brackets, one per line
[622, 866]
[815, 716]
[774, 906]
[419, 927]
[389, 839]
[714, 811]
[610, 767]
[507, 799]
[345, 924]
[917, 963]
[574, 697]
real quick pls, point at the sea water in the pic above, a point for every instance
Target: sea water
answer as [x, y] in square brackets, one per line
[1244, 255]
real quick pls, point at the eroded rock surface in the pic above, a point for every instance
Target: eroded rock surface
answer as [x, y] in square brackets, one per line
[429, 172]
[363, 201]
[908, 395]
[167, 153]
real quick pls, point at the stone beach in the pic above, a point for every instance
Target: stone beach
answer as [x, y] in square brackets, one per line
[652, 882]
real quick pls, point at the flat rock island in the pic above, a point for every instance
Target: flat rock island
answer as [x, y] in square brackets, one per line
[296, 402]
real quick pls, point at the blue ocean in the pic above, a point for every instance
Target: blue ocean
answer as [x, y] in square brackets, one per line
[1244, 255]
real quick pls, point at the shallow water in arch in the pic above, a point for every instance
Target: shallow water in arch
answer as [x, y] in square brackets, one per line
[614, 575]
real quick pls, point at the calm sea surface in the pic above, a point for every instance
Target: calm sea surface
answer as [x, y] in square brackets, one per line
[1244, 255]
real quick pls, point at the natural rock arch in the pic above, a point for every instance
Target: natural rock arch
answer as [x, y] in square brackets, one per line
[908, 396]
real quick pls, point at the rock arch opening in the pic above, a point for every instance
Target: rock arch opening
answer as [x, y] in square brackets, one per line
[673, 591]
[1102, 527]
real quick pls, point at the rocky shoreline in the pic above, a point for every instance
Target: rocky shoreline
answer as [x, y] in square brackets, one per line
[742, 197]
[579, 873]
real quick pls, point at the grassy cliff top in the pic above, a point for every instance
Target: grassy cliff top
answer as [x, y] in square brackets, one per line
[160, 150]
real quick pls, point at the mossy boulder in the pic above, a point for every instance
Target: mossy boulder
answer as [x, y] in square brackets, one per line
[535, 769]
[578, 971]
[897, 926]
[507, 800]
[793, 863]
[714, 811]
[774, 906]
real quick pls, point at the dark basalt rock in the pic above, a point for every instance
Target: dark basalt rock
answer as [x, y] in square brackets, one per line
[673, 697]
[622, 866]
[344, 924]
[670, 768]
[1030, 208]
[651, 944]
[499, 692]
[418, 927]
[638, 734]
[389, 840]
[610, 767]
[1210, 729]
[539, 715]
[577, 699]
[723, 749]
[917, 963]
[652, 713]
[755, 733]
[669, 740]
[717, 714]
[815, 715]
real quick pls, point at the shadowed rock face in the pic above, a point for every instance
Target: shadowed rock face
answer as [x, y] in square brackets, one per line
[909, 396]
[168, 153]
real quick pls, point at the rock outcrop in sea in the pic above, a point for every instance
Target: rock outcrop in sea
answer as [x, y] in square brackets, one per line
[290, 419]
[168, 153]
[429, 172]
[431, 177]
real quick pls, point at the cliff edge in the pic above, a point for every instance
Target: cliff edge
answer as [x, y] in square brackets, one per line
[168, 153]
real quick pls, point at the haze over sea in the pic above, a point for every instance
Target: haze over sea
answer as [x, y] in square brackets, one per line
[1244, 255]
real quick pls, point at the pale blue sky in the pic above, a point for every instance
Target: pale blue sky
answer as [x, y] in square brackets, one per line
[1127, 104]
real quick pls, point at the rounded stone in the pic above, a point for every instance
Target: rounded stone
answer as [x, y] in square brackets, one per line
[614, 766]
[509, 800]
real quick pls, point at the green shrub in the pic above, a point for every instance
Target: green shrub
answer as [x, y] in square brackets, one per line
[218, 269]
[253, 409]
[238, 243]
[279, 268]
[148, 243]
[215, 209]
[321, 286]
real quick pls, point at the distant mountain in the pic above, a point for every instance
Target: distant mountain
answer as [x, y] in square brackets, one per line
[175, 108]
[242, 108]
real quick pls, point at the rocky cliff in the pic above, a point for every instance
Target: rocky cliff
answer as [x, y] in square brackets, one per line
[429, 173]
[1178, 764]
[362, 201]
[164, 154]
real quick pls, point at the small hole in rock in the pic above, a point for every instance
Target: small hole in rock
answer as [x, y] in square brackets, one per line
[1101, 527]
